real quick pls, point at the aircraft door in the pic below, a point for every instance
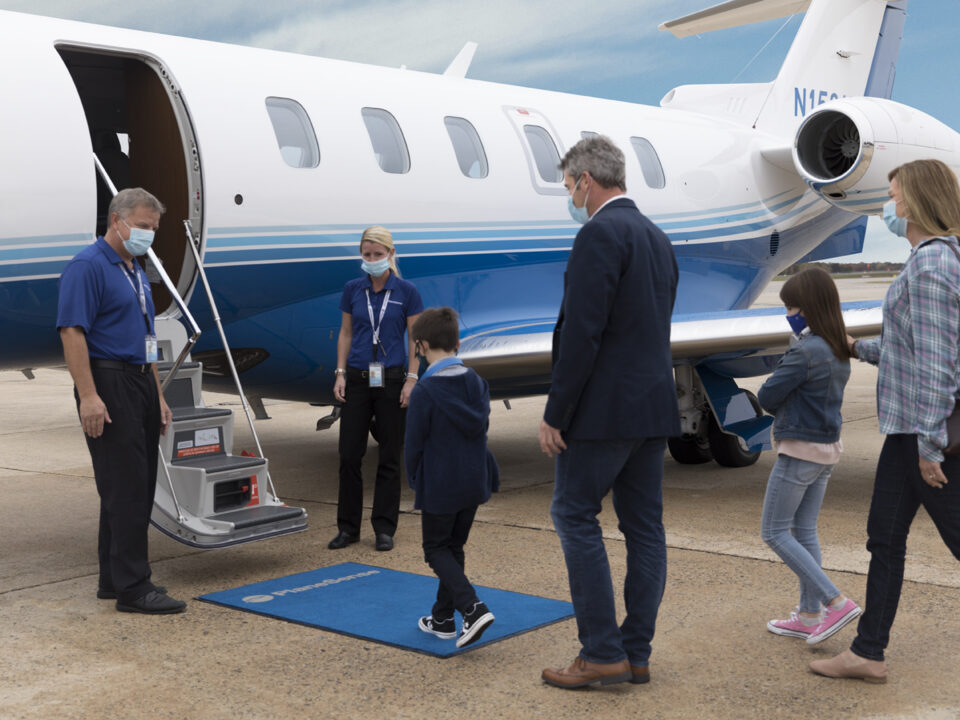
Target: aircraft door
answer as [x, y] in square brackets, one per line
[134, 99]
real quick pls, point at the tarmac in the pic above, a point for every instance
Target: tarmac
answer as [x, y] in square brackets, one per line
[65, 654]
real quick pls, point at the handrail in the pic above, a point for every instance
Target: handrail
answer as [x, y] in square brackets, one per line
[226, 349]
[181, 305]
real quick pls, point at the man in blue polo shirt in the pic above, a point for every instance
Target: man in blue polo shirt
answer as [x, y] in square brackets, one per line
[105, 318]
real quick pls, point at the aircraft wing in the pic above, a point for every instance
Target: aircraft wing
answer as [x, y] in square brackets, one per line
[732, 340]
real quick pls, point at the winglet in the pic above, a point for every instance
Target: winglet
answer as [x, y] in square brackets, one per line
[733, 13]
[461, 63]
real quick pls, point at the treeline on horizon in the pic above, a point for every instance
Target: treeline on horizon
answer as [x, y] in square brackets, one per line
[838, 268]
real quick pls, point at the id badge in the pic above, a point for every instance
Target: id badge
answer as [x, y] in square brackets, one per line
[151, 348]
[376, 375]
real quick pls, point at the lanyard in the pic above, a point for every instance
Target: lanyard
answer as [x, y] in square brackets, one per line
[440, 365]
[138, 291]
[376, 326]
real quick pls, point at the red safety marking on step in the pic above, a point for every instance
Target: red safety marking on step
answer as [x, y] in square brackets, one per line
[254, 492]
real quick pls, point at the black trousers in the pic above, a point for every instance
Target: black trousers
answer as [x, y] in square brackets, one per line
[443, 539]
[898, 492]
[125, 467]
[364, 403]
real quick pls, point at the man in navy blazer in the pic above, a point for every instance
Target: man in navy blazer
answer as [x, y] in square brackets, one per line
[611, 406]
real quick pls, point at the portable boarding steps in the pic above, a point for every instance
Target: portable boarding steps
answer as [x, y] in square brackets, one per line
[206, 496]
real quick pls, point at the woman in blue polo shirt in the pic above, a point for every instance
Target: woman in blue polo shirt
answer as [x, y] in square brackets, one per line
[375, 374]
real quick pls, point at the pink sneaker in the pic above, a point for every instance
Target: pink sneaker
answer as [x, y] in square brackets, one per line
[793, 627]
[833, 620]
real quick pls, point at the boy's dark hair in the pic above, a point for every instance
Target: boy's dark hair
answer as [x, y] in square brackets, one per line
[814, 292]
[439, 327]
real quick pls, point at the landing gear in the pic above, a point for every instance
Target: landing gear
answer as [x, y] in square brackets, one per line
[730, 450]
[690, 449]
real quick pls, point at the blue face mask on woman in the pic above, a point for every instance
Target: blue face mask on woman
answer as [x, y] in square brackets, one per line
[376, 268]
[139, 242]
[797, 323]
[896, 224]
[579, 214]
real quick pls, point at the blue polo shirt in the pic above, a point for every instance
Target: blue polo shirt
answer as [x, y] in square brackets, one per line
[404, 302]
[99, 294]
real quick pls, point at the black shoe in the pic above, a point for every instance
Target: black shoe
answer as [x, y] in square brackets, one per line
[444, 629]
[384, 541]
[342, 540]
[153, 603]
[111, 594]
[475, 622]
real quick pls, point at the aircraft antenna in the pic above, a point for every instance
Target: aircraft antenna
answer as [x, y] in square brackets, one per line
[789, 18]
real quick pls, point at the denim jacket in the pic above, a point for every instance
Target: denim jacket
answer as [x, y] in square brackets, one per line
[805, 392]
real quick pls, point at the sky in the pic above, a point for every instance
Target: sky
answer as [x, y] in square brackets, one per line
[610, 49]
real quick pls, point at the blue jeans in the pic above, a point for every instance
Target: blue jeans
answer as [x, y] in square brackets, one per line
[789, 526]
[586, 471]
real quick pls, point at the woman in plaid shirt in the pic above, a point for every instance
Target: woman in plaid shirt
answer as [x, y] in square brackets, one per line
[917, 358]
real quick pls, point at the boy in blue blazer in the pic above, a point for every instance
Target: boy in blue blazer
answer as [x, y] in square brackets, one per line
[450, 469]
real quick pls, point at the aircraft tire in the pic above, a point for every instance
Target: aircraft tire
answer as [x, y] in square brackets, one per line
[730, 450]
[690, 449]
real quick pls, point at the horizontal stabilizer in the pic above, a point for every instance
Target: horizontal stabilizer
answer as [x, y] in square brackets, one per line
[733, 14]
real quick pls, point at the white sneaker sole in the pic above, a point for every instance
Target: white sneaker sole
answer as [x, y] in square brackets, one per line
[836, 627]
[473, 633]
[430, 631]
[787, 633]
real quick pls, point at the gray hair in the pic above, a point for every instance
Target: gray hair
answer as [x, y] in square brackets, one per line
[129, 199]
[599, 157]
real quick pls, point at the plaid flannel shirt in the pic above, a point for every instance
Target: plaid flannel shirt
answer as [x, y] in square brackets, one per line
[917, 351]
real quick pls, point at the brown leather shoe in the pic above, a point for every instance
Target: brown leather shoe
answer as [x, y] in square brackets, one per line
[640, 673]
[582, 673]
[849, 665]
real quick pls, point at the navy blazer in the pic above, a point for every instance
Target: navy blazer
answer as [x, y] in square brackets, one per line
[612, 368]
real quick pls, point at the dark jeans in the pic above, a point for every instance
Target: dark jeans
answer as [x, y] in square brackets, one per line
[362, 404]
[125, 467]
[586, 471]
[443, 539]
[898, 492]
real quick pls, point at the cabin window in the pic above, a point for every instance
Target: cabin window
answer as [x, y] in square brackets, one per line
[649, 162]
[586, 134]
[389, 147]
[545, 153]
[295, 135]
[467, 145]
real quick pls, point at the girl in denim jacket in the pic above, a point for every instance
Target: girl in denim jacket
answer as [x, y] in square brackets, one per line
[804, 394]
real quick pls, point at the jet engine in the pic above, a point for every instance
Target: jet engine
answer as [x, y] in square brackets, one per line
[845, 149]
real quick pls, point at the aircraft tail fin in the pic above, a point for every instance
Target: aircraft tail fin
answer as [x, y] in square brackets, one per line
[844, 48]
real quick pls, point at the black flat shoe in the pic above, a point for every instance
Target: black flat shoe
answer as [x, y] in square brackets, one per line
[342, 540]
[111, 594]
[153, 603]
[384, 541]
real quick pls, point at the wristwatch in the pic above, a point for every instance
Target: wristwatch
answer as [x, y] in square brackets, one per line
[340, 371]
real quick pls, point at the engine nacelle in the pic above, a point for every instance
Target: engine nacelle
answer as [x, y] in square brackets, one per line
[845, 149]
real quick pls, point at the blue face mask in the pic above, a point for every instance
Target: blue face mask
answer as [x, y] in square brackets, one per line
[896, 224]
[579, 214]
[376, 268]
[139, 242]
[797, 322]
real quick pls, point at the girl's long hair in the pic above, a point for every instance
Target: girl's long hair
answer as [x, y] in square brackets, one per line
[815, 293]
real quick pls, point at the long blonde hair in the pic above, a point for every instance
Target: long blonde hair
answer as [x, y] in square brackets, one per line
[931, 194]
[381, 236]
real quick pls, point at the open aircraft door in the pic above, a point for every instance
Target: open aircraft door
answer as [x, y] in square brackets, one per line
[138, 133]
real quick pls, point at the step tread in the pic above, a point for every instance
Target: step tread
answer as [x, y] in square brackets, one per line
[262, 515]
[198, 413]
[220, 463]
[166, 365]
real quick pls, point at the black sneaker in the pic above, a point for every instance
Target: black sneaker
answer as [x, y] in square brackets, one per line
[475, 622]
[446, 629]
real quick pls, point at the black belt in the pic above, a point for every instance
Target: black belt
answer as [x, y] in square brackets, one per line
[119, 365]
[391, 373]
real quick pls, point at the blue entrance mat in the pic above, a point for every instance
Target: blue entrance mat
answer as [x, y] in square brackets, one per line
[383, 605]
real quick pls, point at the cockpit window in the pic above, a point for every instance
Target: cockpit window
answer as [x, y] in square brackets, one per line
[468, 148]
[389, 147]
[649, 162]
[545, 153]
[295, 134]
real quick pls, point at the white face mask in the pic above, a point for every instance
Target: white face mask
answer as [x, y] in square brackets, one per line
[139, 241]
[375, 268]
[579, 214]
